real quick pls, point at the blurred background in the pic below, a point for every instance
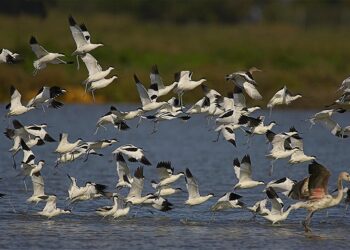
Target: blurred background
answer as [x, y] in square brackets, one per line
[302, 44]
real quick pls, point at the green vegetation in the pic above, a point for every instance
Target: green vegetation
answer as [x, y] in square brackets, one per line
[312, 61]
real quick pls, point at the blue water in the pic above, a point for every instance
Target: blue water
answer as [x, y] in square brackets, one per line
[186, 145]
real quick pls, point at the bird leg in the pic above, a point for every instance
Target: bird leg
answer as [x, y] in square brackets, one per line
[155, 128]
[93, 95]
[306, 222]
[78, 62]
[271, 168]
[217, 138]
[270, 111]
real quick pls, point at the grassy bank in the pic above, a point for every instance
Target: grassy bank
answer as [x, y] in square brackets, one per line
[312, 62]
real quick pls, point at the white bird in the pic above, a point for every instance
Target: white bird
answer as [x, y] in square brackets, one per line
[123, 207]
[109, 210]
[100, 84]
[64, 146]
[15, 106]
[90, 191]
[245, 80]
[47, 95]
[95, 70]
[313, 191]
[111, 117]
[38, 188]
[29, 169]
[200, 107]
[81, 38]
[165, 190]
[227, 132]
[324, 114]
[345, 85]
[194, 198]
[259, 208]
[159, 203]
[256, 125]
[227, 201]
[123, 172]
[166, 174]
[243, 172]
[9, 57]
[75, 154]
[44, 57]
[149, 102]
[276, 214]
[156, 79]
[100, 144]
[135, 194]
[334, 128]
[185, 83]
[50, 210]
[283, 185]
[133, 153]
[283, 96]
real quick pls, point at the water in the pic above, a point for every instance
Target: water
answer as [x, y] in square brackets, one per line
[186, 145]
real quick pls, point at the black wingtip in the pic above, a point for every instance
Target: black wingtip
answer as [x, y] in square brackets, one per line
[164, 164]
[17, 124]
[83, 27]
[236, 162]
[120, 157]
[139, 173]
[136, 79]
[271, 193]
[270, 135]
[48, 138]
[71, 21]
[154, 69]
[145, 161]
[188, 173]
[233, 142]
[33, 40]
[24, 145]
[246, 159]
[234, 196]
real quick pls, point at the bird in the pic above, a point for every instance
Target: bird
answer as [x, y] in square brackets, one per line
[64, 146]
[166, 174]
[256, 125]
[29, 169]
[90, 191]
[243, 172]
[99, 84]
[283, 185]
[200, 107]
[38, 188]
[298, 156]
[112, 117]
[259, 208]
[185, 83]
[227, 131]
[6, 56]
[194, 198]
[345, 85]
[165, 190]
[159, 203]
[313, 191]
[276, 214]
[81, 38]
[50, 210]
[15, 106]
[75, 154]
[133, 153]
[109, 210]
[244, 80]
[227, 201]
[43, 56]
[324, 115]
[157, 80]
[148, 102]
[334, 127]
[283, 96]
[46, 96]
[94, 69]
[135, 194]
[123, 171]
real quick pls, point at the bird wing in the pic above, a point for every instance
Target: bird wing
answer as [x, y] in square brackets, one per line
[122, 167]
[58, 61]
[236, 167]
[251, 90]
[318, 180]
[191, 185]
[38, 50]
[245, 169]
[276, 202]
[332, 126]
[164, 170]
[300, 190]
[229, 134]
[155, 77]
[145, 99]
[296, 142]
[91, 64]
[77, 33]
[239, 98]
[137, 184]
[85, 32]
[38, 184]
[15, 97]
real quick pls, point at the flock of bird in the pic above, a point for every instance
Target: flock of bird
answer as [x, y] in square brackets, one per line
[231, 115]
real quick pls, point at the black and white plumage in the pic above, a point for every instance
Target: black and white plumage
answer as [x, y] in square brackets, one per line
[15, 106]
[90, 191]
[157, 80]
[64, 146]
[166, 174]
[133, 153]
[81, 38]
[149, 102]
[283, 185]
[6, 56]
[124, 177]
[95, 70]
[228, 132]
[99, 84]
[227, 201]
[47, 96]
[334, 127]
[113, 117]
[243, 172]
[38, 188]
[324, 115]
[135, 194]
[44, 57]
[245, 80]
[283, 96]
[50, 210]
[200, 107]
[194, 198]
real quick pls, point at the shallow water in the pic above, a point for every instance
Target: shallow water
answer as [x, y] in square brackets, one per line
[186, 145]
